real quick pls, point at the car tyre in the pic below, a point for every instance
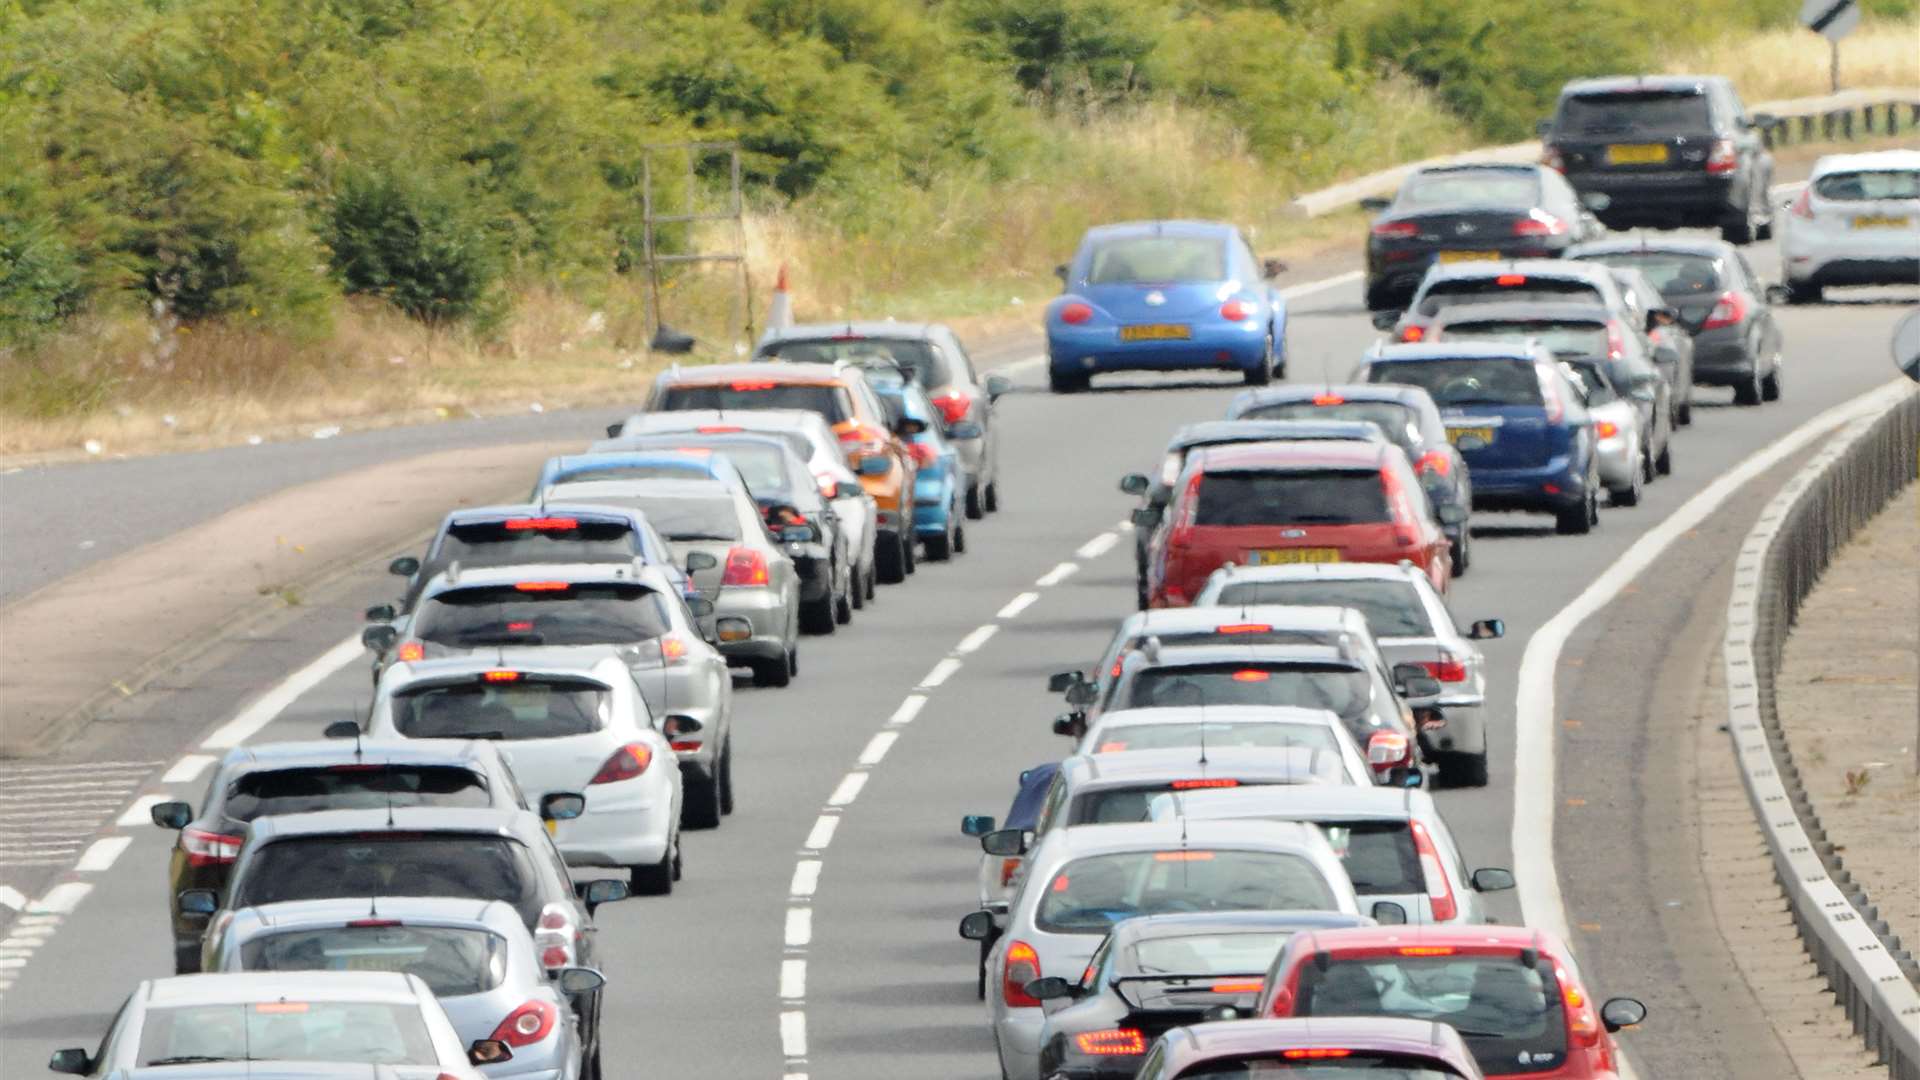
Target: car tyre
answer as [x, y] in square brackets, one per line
[1629, 495]
[1462, 768]
[1061, 383]
[1770, 386]
[726, 778]
[1748, 392]
[991, 499]
[1683, 413]
[657, 879]
[848, 599]
[774, 673]
[909, 558]
[816, 616]
[976, 509]
[1740, 230]
[1462, 552]
[1577, 520]
[702, 809]
[1262, 373]
[889, 562]
[959, 539]
[1805, 292]
[1663, 462]
[940, 548]
[1378, 299]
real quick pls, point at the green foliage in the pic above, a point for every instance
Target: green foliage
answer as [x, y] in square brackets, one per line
[412, 241]
[1057, 48]
[41, 281]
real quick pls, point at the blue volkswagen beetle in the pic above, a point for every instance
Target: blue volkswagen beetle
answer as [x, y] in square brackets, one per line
[939, 487]
[1165, 296]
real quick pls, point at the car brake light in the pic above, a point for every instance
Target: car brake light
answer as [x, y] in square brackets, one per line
[1111, 1042]
[1251, 675]
[541, 523]
[1539, 223]
[1008, 868]
[371, 924]
[1439, 889]
[1315, 1053]
[1329, 399]
[1241, 986]
[923, 453]
[1426, 950]
[1435, 463]
[1510, 280]
[1019, 967]
[1729, 310]
[1722, 158]
[1076, 313]
[527, 1024]
[673, 648]
[745, 566]
[554, 935]
[1396, 230]
[1583, 1028]
[1183, 856]
[1803, 206]
[541, 586]
[1448, 669]
[754, 384]
[1386, 749]
[1236, 310]
[719, 429]
[1244, 628]
[1606, 429]
[1190, 785]
[412, 650]
[1616, 340]
[1412, 332]
[501, 676]
[953, 406]
[626, 763]
[204, 848]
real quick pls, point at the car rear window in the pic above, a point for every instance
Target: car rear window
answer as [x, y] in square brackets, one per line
[1469, 187]
[527, 707]
[536, 539]
[1295, 497]
[1207, 954]
[1467, 381]
[1360, 1064]
[1239, 634]
[451, 960]
[826, 399]
[1379, 856]
[1124, 260]
[1560, 335]
[1218, 734]
[1510, 1014]
[1088, 895]
[1862, 186]
[928, 364]
[690, 517]
[695, 467]
[1338, 687]
[1392, 608]
[287, 1029]
[1652, 112]
[1397, 422]
[541, 613]
[390, 863]
[1678, 276]
[365, 785]
[1591, 379]
[1507, 288]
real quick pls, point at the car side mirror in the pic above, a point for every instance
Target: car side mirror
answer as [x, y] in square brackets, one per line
[1272, 268]
[1220, 1012]
[1061, 681]
[404, 566]
[1384, 320]
[997, 386]
[1374, 204]
[700, 560]
[1145, 517]
[380, 613]
[1403, 672]
[699, 606]
[1487, 629]
[580, 980]
[1069, 725]
[1388, 913]
[875, 465]
[976, 825]
[1778, 293]
[977, 926]
[342, 729]
[613, 430]
[1596, 201]
[676, 726]
[199, 902]
[1492, 879]
[1622, 1012]
[562, 806]
[603, 891]
[1051, 988]
[488, 1052]
[1005, 842]
[907, 427]
[73, 1061]
[379, 638]
[1060, 272]
[1451, 514]
[172, 815]
[1135, 483]
[1082, 693]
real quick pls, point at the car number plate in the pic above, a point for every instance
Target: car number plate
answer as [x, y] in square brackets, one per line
[1881, 221]
[1282, 556]
[1484, 434]
[1156, 332]
[1637, 154]
[1469, 256]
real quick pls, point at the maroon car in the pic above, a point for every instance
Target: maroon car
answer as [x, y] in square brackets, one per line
[1360, 1048]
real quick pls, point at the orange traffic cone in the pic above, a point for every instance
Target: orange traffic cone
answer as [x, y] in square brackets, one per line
[780, 315]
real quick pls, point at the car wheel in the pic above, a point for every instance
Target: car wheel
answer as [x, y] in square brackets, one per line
[593, 1064]
[1739, 231]
[1066, 384]
[975, 508]
[870, 590]
[679, 858]
[860, 581]
[1683, 413]
[1262, 374]
[771, 672]
[1805, 292]
[1770, 386]
[1629, 495]
[889, 561]
[656, 879]
[959, 539]
[726, 778]
[1461, 768]
[1663, 464]
[909, 558]
[980, 981]
[1462, 552]
[1748, 392]
[702, 809]
[940, 548]
[1377, 298]
[186, 960]
[991, 500]
[793, 660]
[816, 616]
[844, 604]
[1576, 520]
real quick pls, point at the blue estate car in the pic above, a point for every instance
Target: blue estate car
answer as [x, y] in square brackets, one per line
[1165, 296]
[939, 488]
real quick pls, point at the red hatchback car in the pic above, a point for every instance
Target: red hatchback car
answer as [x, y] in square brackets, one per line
[1259, 504]
[1512, 993]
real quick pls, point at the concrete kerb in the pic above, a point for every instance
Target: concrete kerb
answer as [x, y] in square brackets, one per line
[1811, 518]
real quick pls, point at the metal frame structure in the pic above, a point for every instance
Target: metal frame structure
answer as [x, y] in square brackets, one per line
[652, 222]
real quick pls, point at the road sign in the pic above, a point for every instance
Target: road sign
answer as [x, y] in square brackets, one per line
[1831, 19]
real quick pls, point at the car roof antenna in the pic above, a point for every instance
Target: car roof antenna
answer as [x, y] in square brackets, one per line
[1203, 733]
[356, 736]
[386, 773]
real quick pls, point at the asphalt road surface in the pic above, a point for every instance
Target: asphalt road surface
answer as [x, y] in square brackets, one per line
[917, 713]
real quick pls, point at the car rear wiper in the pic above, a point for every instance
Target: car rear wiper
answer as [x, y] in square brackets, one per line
[696, 536]
[489, 638]
[1477, 401]
[192, 1059]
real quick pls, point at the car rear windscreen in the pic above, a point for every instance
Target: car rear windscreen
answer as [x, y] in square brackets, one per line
[1652, 112]
[690, 517]
[1392, 608]
[363, 785]
[1358, 1064]
[528, 707]
[1678, 276]
[1379, 856]
[1513, 188]
[1593, 382]
[1338, 687]
[928, 364]
[536, 540]
[1560, 335]
[1509, 1013]
[762, 467]
[1089, 895]
[378, 1034]
[1216, 734]
[824, 398]
[1294, 497]
[1507, 288]
[543, 613]
[694, 468]
[451, 960]
[1220, 953]
[1864, 186]
[1397, 422]
[1141, 260]
[390, 863]
[1467, 381]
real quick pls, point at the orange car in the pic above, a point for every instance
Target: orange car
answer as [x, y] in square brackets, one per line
[872, 434]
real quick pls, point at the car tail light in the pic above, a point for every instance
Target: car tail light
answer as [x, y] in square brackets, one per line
[923, 453]
[1019, 967]
[1183, 856]
[1616, 340]
[372, 924]
[1251, 675]
[1803, 206]
[1508, 281]
[527, 1024]
[1236, 310]
[829, 487]
[1076, 313]
[542, 524]
[745, 566]
[1434, 463]
[1194, 785]
[1329, 399]
[1583, 1028]
[754, 384]
[542, 586]
[412, 650]
[1315, 1053]
[953, 406]
[1008, 868]
[1241, 986]
[1722, 158]
[673, 648]
[1448, 669]
[205, 848]
[1439, 889]
[1111, 1042]
[1606, 429]
[1396, 230]
[1426, 950]
[555, 936]
[1244, 628]
[1412, 332]
[1539, 223]
[1387, 749]
[626, 763]
[500, 676]
[1729, 310]
[719, 429]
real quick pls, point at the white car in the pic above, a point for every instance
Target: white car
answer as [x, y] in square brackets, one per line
[1857, 222]
[566, 721]
[1081, 881]
[1274, 727]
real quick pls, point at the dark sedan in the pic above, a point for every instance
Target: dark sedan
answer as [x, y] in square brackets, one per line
[1460, 213]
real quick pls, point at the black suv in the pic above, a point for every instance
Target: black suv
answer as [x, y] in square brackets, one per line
[1668, 151]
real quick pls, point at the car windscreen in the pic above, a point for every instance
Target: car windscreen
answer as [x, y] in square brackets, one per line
[928, 364]
[824, 398]
[1508, 289]
[527, 707]
[694, 467]
[1205, 954]
[1379, 856]
[1396, 421]
[1139, 260]
[1467, 381]
[1356, 1064]
[1678, 275]
[1293, 497]
[541, 613]
[689, 517]
[1217, 734]
[1592, 381]
[1509, 1013]
[287, 1029]
[360, 785]
[1469, 187]
[451, 960]
[1866, 185]
[390, 863]
[1631, 113]
[762, 467]
[1392, 608]
[536, 540]
[1578, 336]
[1343, 689]
[1088, 895]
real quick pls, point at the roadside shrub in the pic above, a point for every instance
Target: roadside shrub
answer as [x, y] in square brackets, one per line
[410, 241]
[41, 281]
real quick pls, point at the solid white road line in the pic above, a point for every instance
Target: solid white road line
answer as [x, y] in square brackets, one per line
[799, 927]
[1017, 605]
[1307, 287]
[877, 747]
[908, 709]
[139, 812]
[980, 636]
[806, 878]
[793, 979]
[270, 704]
[9, 772]
[793, 1034]
[1098, 546]
[12, 897]
[61, 899]
[100, 855]
[187, 769]
[941, 672]
[848, 790]
[822, 834]
[1057, 575]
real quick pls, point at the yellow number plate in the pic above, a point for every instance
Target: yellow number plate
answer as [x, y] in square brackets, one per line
[1484, 434]
[553, 827]
[1881, 221]
[1469, 256]
[1637, 154]
[1280, 556]
[1156, 332]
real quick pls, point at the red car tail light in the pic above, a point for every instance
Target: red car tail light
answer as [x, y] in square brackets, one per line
[1387, 749]
[1539, 224]
[923, 453]
[554, 935]
[1426, 950]
[754, 384]
[1606, 429]
[673, 649]
[1019, 967]
[1439, 889]
[1449, 669]
[412, 650]
[205, 848]
[1723, 158]
[1329, 399]
[527, 1024]
[1413, 332]
[1076, 313]
[1008, 867]
[1729, 310]
[1616, 340]
[1236, 311]
[1315, 1053]
[1396, 230]
[1434, 463]
[745, 567]
[1111, 1042]
[953, 406]
[1244, 628]
[1195, 785]
[542, 524]
[542, 586]
[500, 676]
[1803, 206]
[626, 763]
[1583, 1027]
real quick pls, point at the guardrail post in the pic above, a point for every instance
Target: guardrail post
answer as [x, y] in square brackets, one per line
[1866, 117]
[1826, 125]
[1846, 124]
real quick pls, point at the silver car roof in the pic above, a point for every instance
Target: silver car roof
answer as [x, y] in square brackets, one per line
[226, 988]
[1157, 835]
[1194, 655]
[1092, 771]
[584, 573]
[498, 821]
[1310, 800]
[1287, 616]
[496, 915]
[599, 662]
[1216, 714]
[319, 752]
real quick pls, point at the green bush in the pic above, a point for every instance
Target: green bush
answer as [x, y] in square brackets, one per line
[412, 242]
[41, 279]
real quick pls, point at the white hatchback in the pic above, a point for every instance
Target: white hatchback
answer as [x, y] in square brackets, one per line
[1857, 222]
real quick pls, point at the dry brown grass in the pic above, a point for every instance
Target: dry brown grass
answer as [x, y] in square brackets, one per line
[1793, 62]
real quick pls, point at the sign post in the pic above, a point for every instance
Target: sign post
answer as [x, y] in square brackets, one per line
[1833, 20]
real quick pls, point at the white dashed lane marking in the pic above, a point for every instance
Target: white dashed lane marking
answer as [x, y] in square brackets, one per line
[1057, 575]
[941, 672]
[822, 833]
[908, 709]
[806, 877]
[1098, 546]
[1017, 605]
[848, 790]
[972, 642]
